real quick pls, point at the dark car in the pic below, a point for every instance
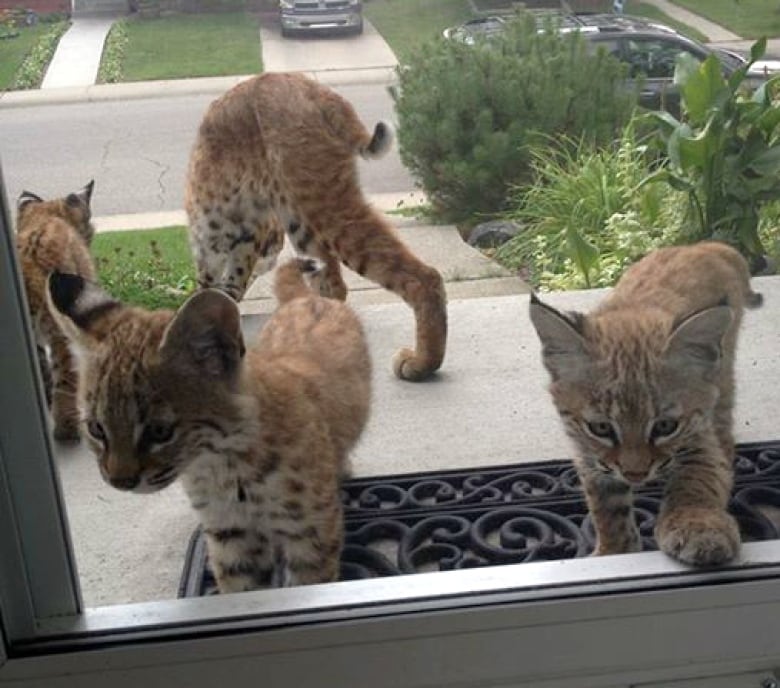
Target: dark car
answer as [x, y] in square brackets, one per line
[650, 49]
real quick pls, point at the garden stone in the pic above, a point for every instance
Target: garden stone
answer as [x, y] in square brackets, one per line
[493, 233]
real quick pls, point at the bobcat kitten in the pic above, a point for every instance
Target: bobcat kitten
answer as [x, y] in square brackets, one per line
[277, 154]
[645, 388]
[54, 235]
[259, 437]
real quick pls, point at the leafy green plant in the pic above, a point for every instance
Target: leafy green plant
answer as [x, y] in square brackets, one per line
[149, 268]
[468, 114]
[111, 62]
[32, 70]
[587, 218]
[724, 154]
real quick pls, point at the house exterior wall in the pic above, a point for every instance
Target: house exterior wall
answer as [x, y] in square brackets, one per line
[39, 6]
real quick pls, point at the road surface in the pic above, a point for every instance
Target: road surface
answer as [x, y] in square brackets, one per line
[137, 150]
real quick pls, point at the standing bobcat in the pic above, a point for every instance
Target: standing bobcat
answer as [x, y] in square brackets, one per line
[260, 440]
[277, 154]
[645, 387]
[54, 235]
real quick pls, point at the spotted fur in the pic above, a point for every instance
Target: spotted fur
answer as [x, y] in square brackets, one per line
[645, 388]
[54, 235]
[259, 438]
[276, 154]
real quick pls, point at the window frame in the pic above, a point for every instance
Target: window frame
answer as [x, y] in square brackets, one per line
[489, 626]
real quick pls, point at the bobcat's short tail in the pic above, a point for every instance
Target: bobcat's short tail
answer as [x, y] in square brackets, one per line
[754, 299]
[380, 142]
[293, 277]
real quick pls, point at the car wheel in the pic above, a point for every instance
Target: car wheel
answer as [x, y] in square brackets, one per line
[287, 33]
[358, 30]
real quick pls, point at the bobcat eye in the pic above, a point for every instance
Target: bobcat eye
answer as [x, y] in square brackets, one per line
[602, 429]
[159, 433]
[664, 427]
[96, 431]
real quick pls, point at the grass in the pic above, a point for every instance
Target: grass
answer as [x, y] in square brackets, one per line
[405, 24]
[152, 268]
[13, 51]
[645, 9]
[190, 45]
[748, 18]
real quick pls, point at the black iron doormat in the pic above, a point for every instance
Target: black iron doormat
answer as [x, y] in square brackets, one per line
[446, 520]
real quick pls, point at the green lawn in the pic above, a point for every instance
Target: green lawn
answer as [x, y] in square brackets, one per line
[191, 45]
[645, 9]
[748, 18]
[407, 23]
[146, 267]
[14, 50]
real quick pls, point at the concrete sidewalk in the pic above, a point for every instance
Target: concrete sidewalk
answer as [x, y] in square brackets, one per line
[77, 58]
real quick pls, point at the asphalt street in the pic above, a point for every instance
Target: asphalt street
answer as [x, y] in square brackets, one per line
[137, 150]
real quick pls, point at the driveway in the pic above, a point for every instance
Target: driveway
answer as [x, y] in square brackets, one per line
[334, 58]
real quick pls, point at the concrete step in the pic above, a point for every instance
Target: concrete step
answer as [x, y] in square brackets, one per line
[467, 272]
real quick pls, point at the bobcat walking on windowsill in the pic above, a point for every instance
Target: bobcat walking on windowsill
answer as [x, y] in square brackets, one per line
[645, 388]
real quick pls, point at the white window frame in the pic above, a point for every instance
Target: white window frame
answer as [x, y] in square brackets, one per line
[609, 621]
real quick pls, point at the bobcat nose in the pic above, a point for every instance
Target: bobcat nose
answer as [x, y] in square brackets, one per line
[635, 476]
[124, 482]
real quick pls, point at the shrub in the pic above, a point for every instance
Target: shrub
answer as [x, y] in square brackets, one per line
[468, 114]
[587, 217]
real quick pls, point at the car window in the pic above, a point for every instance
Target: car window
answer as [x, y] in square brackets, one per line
[652, 57]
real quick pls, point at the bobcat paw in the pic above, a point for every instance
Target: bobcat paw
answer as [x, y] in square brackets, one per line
[67, 432]
[406, 366]
[705, 538]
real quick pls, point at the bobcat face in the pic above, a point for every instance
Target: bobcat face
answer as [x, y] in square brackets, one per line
[158, 388]
[632, 395]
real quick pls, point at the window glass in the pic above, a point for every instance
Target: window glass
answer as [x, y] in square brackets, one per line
[500, 491]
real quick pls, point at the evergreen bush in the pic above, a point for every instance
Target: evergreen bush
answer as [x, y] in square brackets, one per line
[468, 114]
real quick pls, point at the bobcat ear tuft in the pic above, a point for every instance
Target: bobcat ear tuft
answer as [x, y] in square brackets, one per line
[563, 346]
[696, 342]
[206, 334]
[27, 197]
[78, 305]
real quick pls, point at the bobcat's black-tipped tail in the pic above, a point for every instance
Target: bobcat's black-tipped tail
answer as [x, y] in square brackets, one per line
[380, 142]
[294, 277]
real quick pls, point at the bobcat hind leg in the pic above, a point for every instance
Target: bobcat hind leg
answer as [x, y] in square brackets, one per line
[368, 245]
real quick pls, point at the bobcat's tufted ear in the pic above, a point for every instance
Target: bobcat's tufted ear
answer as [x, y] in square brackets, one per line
[563, 347]
[81, 197]
[25, 198]
[205, 334]
[695, 342]
[80, 307]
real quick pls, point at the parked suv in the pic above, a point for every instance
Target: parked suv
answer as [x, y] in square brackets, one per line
[304, 16]
[648, 48]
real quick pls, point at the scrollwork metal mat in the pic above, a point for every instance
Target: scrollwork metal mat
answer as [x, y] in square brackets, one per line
[444, 520]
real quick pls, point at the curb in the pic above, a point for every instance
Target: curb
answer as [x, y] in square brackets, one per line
[180, 87]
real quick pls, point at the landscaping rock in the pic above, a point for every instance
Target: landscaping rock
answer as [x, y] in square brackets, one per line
[493, 233]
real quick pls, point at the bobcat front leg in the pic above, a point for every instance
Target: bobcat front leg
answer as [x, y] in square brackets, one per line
[694, 525]
[610, 503]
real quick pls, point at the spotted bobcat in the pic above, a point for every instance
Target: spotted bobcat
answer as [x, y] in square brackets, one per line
[645, 388]
[277, 154]
[259, 438]
[54, 235]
